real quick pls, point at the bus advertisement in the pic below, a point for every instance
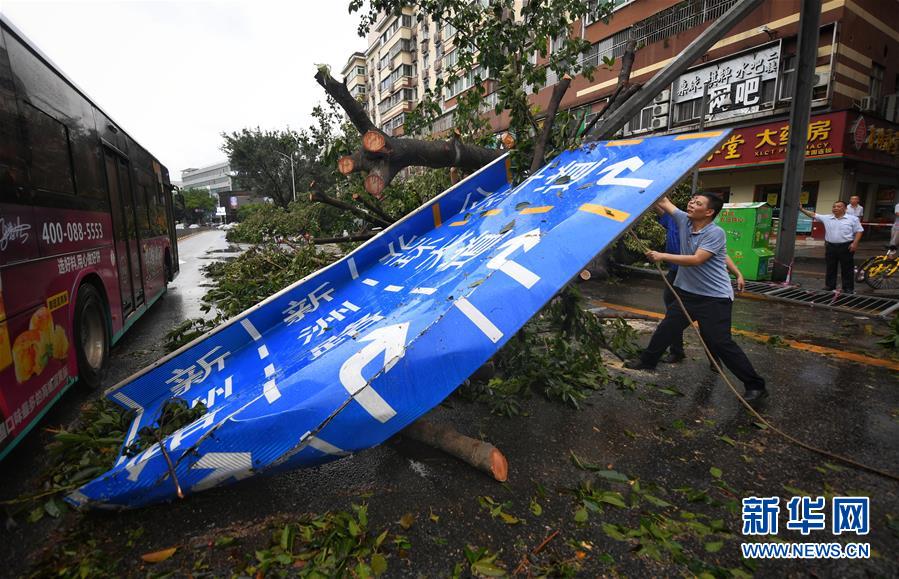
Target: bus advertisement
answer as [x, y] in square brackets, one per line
[87, 240]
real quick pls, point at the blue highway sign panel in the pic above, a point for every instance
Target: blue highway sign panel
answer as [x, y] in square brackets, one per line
[347, 357]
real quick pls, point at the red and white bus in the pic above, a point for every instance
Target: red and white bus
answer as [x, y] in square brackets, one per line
[87, 240]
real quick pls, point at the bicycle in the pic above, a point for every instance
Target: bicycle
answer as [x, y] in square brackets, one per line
[880, 271]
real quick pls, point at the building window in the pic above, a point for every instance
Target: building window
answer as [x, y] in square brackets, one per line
[642, 121]
[877, 73]
[447, 31]
[451, 59]
[787, 77]
[463, 83]
[687, 111]
[360, 70]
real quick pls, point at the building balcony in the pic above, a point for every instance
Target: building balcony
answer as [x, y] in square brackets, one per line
[404, 82]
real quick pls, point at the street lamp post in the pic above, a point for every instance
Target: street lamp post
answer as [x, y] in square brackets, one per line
[293, 181]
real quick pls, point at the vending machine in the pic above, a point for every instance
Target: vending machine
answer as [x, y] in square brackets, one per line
[747, 226]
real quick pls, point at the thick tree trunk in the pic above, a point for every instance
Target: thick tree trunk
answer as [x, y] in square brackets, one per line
[479, 454]
[383, 156]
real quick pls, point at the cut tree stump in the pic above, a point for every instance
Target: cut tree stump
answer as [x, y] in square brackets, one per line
[479, 454]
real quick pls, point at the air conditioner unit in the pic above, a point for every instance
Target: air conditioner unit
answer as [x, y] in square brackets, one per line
[868, 104]
[660, 110]
[660, 123]
[822, 79]
[662, 97]
[891, 107]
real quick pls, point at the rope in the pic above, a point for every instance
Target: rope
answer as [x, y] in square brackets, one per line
[752, 411]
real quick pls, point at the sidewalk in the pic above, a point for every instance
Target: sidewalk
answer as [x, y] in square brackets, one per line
[809, 266]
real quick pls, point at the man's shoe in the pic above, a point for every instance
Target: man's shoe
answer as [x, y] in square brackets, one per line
[638, 364]
[673, 358]
[755, 395]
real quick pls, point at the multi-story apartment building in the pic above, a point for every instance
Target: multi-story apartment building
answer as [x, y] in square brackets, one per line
[853, 141]
[354, 75]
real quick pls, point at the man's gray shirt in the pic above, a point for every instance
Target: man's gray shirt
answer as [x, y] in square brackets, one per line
[710, 278]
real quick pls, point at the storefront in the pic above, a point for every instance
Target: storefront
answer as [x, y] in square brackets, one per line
[847, 153]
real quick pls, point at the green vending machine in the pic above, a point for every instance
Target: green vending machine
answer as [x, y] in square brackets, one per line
[747, 226]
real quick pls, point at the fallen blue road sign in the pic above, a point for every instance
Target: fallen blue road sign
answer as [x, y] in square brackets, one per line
[348, 356]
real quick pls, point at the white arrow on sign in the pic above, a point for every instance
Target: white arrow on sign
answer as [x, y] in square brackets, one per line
[389, 340]
[612, 171]
[519, 273]
[225, 465]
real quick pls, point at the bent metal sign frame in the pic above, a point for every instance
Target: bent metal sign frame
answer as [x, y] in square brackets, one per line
[347, 357]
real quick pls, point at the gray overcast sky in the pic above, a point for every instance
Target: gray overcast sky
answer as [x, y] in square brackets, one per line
[176, 75]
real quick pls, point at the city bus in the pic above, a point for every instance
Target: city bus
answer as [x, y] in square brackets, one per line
[87, 237]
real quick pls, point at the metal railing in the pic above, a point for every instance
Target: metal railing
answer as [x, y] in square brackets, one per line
[678, 18]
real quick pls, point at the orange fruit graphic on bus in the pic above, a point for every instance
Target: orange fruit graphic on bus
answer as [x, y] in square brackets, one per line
[29, 355]
[42, 321]
[5, 352]
[60, 343]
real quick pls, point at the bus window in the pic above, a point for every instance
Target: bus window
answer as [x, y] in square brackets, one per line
[89, 177]
[48, 141]
[140, 203]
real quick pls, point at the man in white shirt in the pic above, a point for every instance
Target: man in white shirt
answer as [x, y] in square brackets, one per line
[842, 233]
[854, 208]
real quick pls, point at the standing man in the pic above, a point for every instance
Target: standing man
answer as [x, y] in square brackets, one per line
[704, 287]
[672, 245]
[854, 208]
[842, 233]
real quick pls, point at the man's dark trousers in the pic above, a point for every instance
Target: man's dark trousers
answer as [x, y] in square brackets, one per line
[677, 346]
[714, 317]
[838, 254]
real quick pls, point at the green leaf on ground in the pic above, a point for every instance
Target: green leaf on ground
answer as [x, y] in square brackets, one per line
[728, 440]
[714, 546]
[378, 564]
[613, 475]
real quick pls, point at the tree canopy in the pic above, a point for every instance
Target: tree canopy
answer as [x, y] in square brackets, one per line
[197, 203]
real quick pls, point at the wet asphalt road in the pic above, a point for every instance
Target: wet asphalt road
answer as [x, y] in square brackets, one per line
[657, 437]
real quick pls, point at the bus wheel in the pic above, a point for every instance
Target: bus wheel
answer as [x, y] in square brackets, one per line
[91, 339]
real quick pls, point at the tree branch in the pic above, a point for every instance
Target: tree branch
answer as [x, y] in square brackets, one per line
[624, 76]
[364, 215]
[372, 207]
[341, 94]
[343, 239]
[540, 146]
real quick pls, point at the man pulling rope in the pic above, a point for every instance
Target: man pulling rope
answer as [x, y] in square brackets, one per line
[704, 287]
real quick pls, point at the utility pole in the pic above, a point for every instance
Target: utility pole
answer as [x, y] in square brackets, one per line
[794, 166]
[293, 181]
